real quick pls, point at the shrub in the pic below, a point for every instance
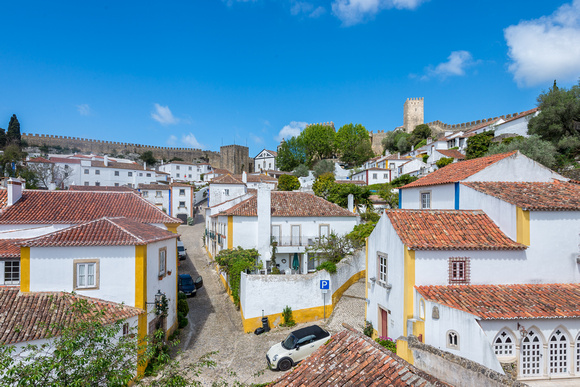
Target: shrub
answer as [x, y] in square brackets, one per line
[182, 307]
[388, 343]
[328, 266]
[443, 161]
[182, 321]
[288, 183]
[370, 216]
[288, 319]
[189, 221]
[301, 171]
[368, 329]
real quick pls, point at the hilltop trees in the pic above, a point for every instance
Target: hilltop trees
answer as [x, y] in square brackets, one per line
[13, 132]
[318, 139]
[291, 154]
[353, 143]
[400, 141]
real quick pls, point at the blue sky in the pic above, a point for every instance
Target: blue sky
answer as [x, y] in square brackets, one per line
[204, 73]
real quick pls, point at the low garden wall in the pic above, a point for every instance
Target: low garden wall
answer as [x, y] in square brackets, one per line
[270, 294]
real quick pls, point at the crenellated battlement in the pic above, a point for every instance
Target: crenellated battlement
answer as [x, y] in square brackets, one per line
[331, 124]
[442, 126]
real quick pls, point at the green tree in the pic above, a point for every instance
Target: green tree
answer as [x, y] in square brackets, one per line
[443, 161]
[322, 167]
[392, 198]
[2, 138]
[353, 143]
[291, 154]
[361, 232]
[318, 140]
[397, 141]
[544, 152]
[234, 261]
[334, 248]
[11, 157]
[403, 180]
[404, 145]
[421, 132]
[148, 158]
[478, 145]
[338, 194]
[13, 132]
[323, 185]
[559, 120]
[301, 171]
[288, 183]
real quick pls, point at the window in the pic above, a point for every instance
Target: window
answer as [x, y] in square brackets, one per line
[129, 174]
[148, 175]
[190, 175]
[425, 200]
[452, 340]
[503, 344]
[531, 354]
[558, 345]
[177, 175]
[422, 309]
[86, 183]
[276, 233]
[158, 194]
[86, 275]
[125, 329]
[392, 166]
[11, 272]
[181, 192]
[97, 184]
[177, 167]
[86, 171]
[226, 192]
[385, 175]
[382, 268]
[162, 261]
[97, 171]
[141, 174]
[116, 173]
[324, 231]
[459, 273]
[145, 193]
[190, 169]
[181, 204]
[374, 175]
[116, 184]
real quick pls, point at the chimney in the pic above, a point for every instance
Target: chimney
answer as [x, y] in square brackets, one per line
[350, 202]
[264, 210]
[144, 166]
[106, 161]
[244, 177]
[52, 186]
[14, 188]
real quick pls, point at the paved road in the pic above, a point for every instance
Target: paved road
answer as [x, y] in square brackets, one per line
[215, 323]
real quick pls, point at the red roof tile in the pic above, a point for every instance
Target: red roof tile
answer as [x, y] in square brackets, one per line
[482, 125]
[509, 301]
[219, 171]
[350, 358]
[458, 171]
[103, 232]
[451, 153]
[64, 160]
[34, 316]
[557, 196]
[522, 114]
[100, 188]
[290, 204]
[73, 207]
[158, 187]
[39, 160]
[10, 248]
[449, 230]
[355, 182]
[225, 179]
[3, 198]
[258, 178]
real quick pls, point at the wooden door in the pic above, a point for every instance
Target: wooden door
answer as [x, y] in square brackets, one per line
[384, 323]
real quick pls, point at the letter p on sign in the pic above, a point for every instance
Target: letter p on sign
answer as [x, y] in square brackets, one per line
[324, 284]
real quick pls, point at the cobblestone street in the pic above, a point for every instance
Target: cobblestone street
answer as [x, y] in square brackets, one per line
[215, 324]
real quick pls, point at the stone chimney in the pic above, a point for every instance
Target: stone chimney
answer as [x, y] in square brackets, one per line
[106, 160]
[264, 210]
[350, 202]
[244, 177]
[14, 190]
[144, 166]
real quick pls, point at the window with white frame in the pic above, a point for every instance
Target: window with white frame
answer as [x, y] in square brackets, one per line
[148, 175]
[226, 192]
[452, 340]
[276, 232]
[459, 271]
[97, 184]
[425, 200]
[116, 173]
[177, 167]
[162, 262]
[86, 171]
[141, 174]
[374, 175]
[116, 184]
[158, 194]
[145, 193]
[181, 204]
[190, 168]
[129, 174]
[86, 183]
[385, 175]
[503, 345]
[125, 329]
[382, 268]
[86, 275]
[177, 175]
[181, 192]
[324, 231]
[97, 171]
[11, 272]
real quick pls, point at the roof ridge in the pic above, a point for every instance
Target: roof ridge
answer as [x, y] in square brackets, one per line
[62, 230]
[124, 229]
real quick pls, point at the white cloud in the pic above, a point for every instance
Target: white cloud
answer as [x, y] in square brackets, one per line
[293, 129]
[187, 140]
[547, 48]
[317, 12]
[352, 12]
[306, 8]
[84, 109]
[457, 63]
[256, 139]
[163, 115]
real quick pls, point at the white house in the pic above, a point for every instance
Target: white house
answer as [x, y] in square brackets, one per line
[224, 188]
[413, 167]
[517, 124]
[157, 194]
[373, 176]
[265, 161]
[438, 154]
[185, 171]
[295, 220]
[182, 196]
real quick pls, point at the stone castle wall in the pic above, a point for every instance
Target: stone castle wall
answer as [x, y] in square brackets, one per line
[114, 147]
[413, 113]
[377, 141]
[441, 127]
[236, 159]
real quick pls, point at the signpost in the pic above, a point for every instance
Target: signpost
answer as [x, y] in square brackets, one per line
[324, 286]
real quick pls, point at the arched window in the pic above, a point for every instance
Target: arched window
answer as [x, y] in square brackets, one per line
[422, 309]
[531, 354]
[558, 347]
[578, 354]
[503, 345]
[452, 340]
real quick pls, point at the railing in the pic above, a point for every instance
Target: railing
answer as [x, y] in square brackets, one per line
[296, 240]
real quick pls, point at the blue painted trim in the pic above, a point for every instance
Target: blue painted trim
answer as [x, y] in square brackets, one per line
[400, 197]
[169, 209]
[456, 196]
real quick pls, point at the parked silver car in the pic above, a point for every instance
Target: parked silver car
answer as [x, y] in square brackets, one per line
[299, 344]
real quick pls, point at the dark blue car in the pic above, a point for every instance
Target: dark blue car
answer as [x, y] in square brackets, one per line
[188, 286]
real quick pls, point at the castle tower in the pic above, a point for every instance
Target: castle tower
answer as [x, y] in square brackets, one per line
[235, 158]
[413, 113]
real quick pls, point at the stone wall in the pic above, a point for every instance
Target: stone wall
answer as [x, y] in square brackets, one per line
[413, 113]
[236, 159]
[377, 141]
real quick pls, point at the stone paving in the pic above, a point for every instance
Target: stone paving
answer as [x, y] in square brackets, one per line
[215, 324]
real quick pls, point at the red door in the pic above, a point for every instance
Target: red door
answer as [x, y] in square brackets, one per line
[384, 323]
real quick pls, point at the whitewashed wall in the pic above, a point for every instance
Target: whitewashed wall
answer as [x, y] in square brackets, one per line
[515, 168]
[161, 202]
[519, 126]
[218, 195]
[168, 284]
[442, 197]
[187, 198]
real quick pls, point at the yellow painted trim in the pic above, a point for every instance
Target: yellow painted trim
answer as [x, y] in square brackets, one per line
[366, 276]
[523, 226]
[230, 232]
[409, 286]
[419, 329]
[142, 333]
[339, 292]
[141, 299]
[25, 269]
[404, 352]
[171, 227]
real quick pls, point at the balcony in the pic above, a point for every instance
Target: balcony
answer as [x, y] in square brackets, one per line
[296, 240]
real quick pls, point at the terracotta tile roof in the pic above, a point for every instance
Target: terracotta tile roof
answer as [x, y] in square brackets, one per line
[3, 198]
[103, 232]
[117, 165]
[451, 153]
[482, 125]
[100, 188]
[509, 301]
[10, 248]
[73, 207]
[356, 182]
[177, 184]
[522, 114]
[39, 160]
[64, 160]
[258, 178]
[290, 204]
[396, 157]
[225, 179]
[157, 187]
[219, 171]
[458, 171]
[557, 196]
[350, 358]
[449, 230]
[34, 316]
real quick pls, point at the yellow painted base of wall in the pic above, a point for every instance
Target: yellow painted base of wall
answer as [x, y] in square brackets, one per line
[225, 283]
[404, 352]
[300, 315]
[171, 329]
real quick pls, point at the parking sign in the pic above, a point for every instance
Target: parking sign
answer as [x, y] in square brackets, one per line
[324, 284]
